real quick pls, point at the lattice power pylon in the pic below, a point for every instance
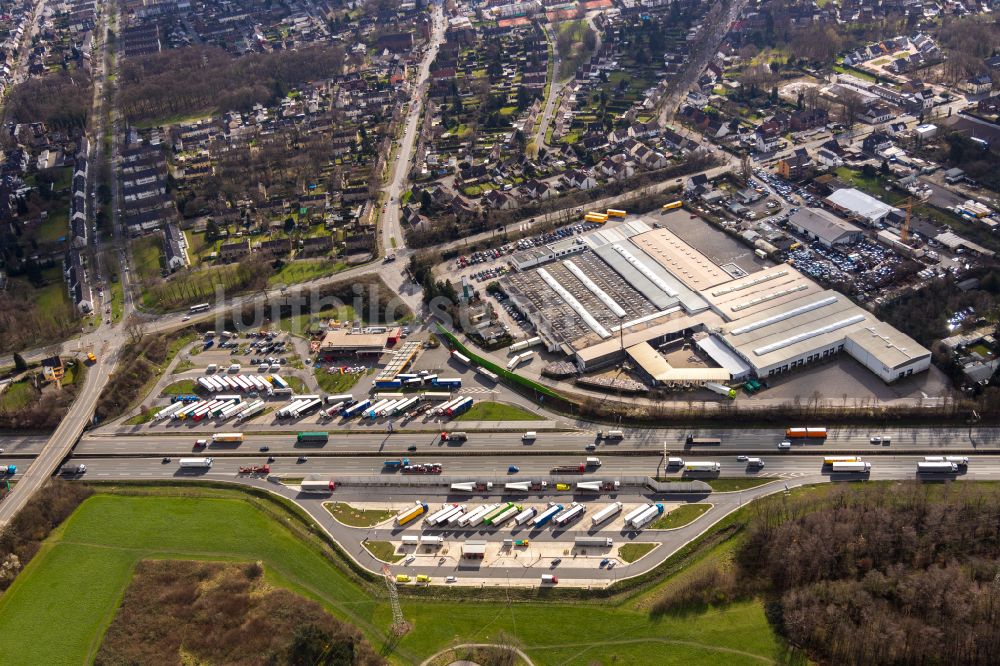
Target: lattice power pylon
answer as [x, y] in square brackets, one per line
[399, 625]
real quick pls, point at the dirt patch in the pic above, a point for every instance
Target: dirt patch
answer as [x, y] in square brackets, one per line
[177, 612]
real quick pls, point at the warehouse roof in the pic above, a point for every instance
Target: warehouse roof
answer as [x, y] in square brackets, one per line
[859, 203]
[814, 322]
[691, 267]
[345, 340]
[659, 369]
[773, 287]
[823, 225]
[892, 348]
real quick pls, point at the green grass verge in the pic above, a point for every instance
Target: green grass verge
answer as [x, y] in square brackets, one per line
[354, 517]
[77, 579]
[296, 384]
[141, 418]
[502, 372]
[729, 485]
[117, 301]
[683, 515]
[147, 254]
[383, 550]
[337, 383]
[631, 552]
[17, 396]
[498, 411]
[182, 387]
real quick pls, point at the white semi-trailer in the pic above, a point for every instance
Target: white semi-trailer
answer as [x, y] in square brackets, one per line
[939, 467]
[607, 512]
[525, 515]
[856, 467]
[195, 462]
[646, 516]
[635, 512]
[593, 542]
[575, 511]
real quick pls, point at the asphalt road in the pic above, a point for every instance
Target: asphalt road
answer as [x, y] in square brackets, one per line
[757, 441]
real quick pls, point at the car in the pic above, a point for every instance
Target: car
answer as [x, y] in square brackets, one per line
[411, 447]
[201, 442]
[604, 562]
[784, 445]
[877, 439]
[2, 450]
[513, 469]
[185, 318]
[270, 459]
[591, 447]
[265, 448]
[742, 458]
[556, 561]
[166, 459]
[611, 564]
[302, 459]
[409, 560]
[451, 579]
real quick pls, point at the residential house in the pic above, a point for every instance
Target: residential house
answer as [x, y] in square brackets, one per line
[768, 137]
[795, 166]
[234, 251]
[174, 248]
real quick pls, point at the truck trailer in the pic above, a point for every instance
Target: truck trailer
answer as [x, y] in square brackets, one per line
[548, 514]
[576, 510]
[593, 542]
[646, 516]
[936, 467]
[606, 513]
[411, 514]
[857, 467]
[525, 515]
[195, 462]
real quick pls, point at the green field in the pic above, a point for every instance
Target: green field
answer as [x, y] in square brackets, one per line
[730, 485]
[683, 515]
[383, 550]
[146, 256]
[631, 552]
[78, 577]
[303, 270]
[182, 387]
[498, 411]
[349, 515]
[17, 396]
[337, 383]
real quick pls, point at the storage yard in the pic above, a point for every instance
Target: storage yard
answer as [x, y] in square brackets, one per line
[633, 290]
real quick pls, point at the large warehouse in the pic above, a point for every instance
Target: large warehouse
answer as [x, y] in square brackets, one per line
[635, 291]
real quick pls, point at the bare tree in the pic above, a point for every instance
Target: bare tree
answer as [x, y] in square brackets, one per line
[135, 328]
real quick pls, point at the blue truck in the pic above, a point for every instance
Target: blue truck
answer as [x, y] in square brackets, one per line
[396, 464]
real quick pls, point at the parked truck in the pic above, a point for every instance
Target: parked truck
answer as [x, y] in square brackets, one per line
[598, 486]
[411, 514]
[644, 518]
[525, 515]
[606, 513]
[593, 542]
[547, 515]
[574, 511]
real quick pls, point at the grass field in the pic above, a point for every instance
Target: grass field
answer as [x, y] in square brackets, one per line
[146, 256]
[337, 383]
[349, 515]
[683, 515]
[383, 550]
[305, 269]
[181, 387]
[498, 411]
[78, 577]
[631, 552]
[729, 485]
[17, 396]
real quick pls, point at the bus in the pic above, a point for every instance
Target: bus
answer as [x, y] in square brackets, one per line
[672, 205]
[614, 212]
[312, 438]
[201, 307]
[599, 218]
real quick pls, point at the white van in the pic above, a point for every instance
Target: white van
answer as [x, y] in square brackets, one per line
[675, 462]
[529, 436]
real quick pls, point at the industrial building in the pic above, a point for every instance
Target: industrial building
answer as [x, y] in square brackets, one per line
[362, 342]
[637, 292]
[825, 227]
[857, 204]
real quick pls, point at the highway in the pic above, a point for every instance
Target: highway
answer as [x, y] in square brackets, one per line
[181, 438]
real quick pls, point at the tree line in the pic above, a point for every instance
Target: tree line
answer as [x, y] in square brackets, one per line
[181, 82]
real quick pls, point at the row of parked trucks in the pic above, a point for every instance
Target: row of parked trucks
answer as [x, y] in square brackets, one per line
[245, 383]
[223, 407]
[418, 380]
[497, 514]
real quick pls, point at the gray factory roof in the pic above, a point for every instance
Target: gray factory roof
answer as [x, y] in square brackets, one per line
[823, 225]
[859, 203]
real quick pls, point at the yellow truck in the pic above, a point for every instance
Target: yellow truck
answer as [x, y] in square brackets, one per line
[402, 578]
[422, 578]
[91, 358]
